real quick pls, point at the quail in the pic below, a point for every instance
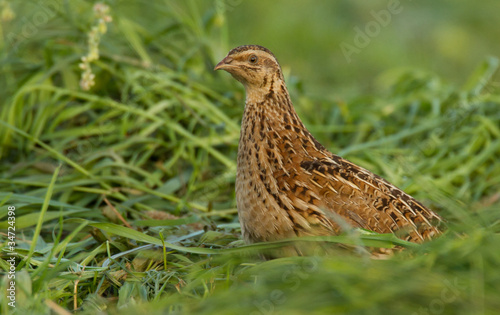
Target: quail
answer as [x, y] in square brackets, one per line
[289, 185]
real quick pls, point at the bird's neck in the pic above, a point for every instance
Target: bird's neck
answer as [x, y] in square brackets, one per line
[268, 104]
[270, 120]
[269, 115]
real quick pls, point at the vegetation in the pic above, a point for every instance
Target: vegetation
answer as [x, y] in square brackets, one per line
[136, 145]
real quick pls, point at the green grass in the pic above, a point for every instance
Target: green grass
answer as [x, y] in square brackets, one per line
[147, 157]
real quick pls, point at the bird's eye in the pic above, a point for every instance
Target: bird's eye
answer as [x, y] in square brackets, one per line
[253, 59]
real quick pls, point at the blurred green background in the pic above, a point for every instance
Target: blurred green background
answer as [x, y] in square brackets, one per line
[148, 153]
[443, 37]
[446, 38]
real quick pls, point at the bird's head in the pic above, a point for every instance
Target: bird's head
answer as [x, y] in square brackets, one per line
[254, 66]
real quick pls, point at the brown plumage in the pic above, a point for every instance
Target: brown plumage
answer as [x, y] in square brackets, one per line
[288, 184]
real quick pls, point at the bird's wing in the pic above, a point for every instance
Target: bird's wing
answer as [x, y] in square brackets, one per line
[335, 191]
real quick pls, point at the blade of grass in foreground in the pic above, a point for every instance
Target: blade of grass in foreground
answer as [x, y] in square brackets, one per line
[45, 206]
[31, 219]
[365, 239]
[48, 148]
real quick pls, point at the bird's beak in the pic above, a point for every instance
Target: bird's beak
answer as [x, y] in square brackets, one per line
[224, 63]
